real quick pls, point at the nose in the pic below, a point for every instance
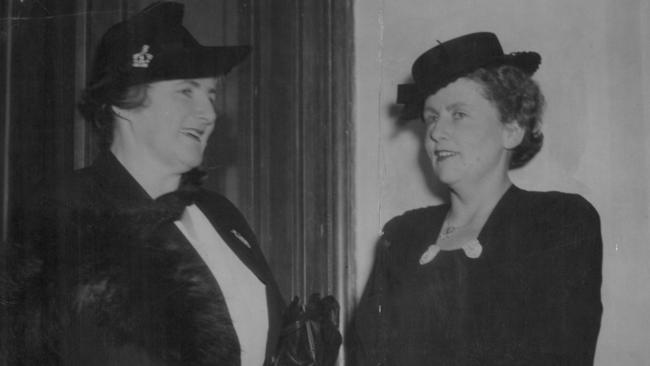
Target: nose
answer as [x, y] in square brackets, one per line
[439, 130]
[205, 108]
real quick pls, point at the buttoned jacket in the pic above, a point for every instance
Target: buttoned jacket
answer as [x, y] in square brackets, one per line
[532, 296]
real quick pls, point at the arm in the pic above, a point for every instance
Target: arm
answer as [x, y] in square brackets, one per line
[563, 305]
[368, 332]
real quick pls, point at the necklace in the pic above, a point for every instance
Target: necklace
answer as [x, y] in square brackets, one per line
[447, 231]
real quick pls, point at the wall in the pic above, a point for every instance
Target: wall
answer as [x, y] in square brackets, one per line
[595, 57]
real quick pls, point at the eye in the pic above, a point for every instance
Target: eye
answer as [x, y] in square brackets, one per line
[430, 118]
[457, 115]
[186, 91]
[212, 94]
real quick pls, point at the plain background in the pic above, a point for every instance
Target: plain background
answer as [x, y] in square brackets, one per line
[595, 74]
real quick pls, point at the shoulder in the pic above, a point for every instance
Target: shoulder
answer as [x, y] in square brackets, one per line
[52, 203]
[566, 222]
[556, 207]
[413, 227]
[413, 219]
[73, 189]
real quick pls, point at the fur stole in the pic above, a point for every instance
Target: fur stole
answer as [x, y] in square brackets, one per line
[132, 283]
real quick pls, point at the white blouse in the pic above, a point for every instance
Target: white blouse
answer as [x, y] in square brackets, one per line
[245, 294]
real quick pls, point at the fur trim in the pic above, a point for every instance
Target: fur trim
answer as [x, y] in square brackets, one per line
[109, 281]
[147, 287]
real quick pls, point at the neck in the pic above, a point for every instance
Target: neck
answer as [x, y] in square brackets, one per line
[473, 204]
[155, 180]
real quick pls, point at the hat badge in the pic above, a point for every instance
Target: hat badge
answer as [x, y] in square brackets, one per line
[142, 58]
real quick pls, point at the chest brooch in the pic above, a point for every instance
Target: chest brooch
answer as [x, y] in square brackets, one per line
[472, 249]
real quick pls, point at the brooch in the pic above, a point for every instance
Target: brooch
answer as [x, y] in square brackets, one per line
[429, 254]
[472, 249]
[240, 237]
[142, 58]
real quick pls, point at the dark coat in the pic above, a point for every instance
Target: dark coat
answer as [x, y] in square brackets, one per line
[531, 298]
[112, 281]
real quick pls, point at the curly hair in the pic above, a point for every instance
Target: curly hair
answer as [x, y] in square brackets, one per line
[518, 98]
[97, 102]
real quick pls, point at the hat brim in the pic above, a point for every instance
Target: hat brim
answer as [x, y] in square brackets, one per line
[191, 63]
[412, 96]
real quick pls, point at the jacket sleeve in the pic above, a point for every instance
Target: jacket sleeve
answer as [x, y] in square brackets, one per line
[368, 332]
[563, 305]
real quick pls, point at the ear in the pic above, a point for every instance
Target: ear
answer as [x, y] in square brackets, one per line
[512, 135]
[121, 114]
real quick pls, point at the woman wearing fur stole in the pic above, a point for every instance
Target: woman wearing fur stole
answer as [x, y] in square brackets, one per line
[134, 263]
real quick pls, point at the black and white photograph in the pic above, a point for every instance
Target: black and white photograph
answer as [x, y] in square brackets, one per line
[324, 183]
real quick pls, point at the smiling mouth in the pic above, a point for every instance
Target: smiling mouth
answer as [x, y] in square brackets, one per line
[193, 133]
[444, 154]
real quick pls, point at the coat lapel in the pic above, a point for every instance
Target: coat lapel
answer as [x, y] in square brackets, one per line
[245, 248]
[123, 191]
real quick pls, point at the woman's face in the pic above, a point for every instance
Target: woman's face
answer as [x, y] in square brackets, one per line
[465, 138]
[173, 125]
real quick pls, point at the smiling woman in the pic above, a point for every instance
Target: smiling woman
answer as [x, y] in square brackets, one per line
[465, 138]
[123, 260]
[281, 150]
[168, 133]
[499, 275]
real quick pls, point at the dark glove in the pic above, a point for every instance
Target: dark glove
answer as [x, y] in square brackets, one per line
[310, 336]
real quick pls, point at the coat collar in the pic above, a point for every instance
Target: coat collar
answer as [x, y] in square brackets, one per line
[114, 179]
[244, 246]
[495, 229]
[126, 193]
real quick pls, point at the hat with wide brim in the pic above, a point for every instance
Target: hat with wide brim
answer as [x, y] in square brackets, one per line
[153, 45]
[453, 59]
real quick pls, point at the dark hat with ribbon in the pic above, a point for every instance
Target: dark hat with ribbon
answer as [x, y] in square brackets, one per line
[153, 45]
[453, 59]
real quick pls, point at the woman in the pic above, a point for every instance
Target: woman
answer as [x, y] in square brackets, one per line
[136, 264]
[499, 275]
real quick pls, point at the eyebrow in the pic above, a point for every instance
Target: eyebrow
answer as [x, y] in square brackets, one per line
[194, 81]
[451, 106]
[456, 105]
[196, 84]
[430, 109]
[186, 81]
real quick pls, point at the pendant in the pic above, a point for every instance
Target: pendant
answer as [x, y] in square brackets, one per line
[446, 233]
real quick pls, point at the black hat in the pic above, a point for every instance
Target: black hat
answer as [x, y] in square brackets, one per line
[453, 59]
[153, 45]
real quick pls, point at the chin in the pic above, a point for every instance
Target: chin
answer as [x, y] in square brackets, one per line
[191, 158]
[445, 180]
[188, 164]
[195, 164]
[445, 177]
